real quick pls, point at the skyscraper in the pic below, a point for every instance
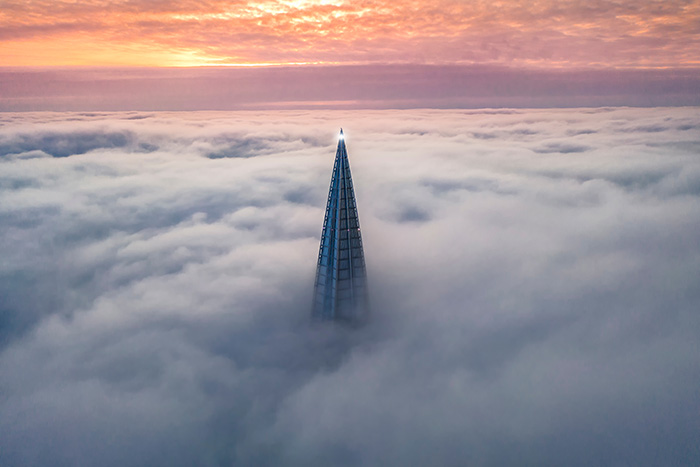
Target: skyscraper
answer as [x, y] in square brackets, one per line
[340, 289]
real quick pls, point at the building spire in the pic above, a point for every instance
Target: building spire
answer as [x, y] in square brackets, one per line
[340, 289]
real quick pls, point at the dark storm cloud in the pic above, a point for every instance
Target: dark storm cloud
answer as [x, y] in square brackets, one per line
[529, 307]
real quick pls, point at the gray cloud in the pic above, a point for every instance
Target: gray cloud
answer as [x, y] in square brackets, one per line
[529, 307]
[561, 147]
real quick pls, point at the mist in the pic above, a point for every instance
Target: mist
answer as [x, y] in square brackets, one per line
[533, 281]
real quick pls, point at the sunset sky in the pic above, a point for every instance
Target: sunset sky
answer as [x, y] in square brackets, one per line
[241, 55]
[545, 33]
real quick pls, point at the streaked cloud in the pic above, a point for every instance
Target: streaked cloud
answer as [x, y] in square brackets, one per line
[340, 87]
[187, 33]
[534, 288]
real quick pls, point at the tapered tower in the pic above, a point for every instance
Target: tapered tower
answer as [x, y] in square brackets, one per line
[340, 290]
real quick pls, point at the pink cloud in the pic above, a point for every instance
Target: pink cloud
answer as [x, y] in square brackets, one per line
[574, 33]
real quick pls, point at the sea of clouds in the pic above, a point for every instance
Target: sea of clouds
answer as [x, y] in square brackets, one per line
[534, 281]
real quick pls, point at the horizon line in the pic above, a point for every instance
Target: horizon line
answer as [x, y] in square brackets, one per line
[491, 65]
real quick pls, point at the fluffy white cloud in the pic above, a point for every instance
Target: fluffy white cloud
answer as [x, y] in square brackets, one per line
[533, 281]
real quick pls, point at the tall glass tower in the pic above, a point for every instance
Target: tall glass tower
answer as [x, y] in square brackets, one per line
[340, 290]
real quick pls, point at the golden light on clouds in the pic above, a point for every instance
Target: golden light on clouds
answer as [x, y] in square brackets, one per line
[195, 33]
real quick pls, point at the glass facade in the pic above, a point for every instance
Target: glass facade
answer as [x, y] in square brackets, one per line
[340, 289]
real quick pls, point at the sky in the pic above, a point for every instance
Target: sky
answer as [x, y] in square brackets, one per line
[101, 55]
[533, 282]
[341, 87]
[549, 33]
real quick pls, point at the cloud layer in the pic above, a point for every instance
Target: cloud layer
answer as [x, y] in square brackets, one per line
[340, 87]
[534, 289]
[649, 33]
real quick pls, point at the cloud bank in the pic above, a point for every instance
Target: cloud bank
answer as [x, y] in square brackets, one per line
[533, 280]
[340, 87]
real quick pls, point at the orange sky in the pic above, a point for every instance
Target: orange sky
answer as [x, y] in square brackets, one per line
[538, 33]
